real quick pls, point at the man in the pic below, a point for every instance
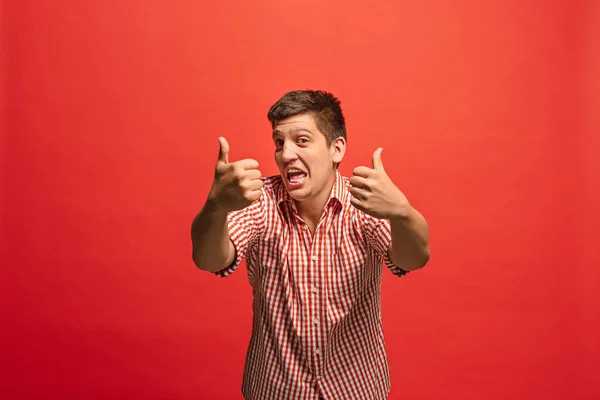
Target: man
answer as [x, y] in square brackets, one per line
[314, 244]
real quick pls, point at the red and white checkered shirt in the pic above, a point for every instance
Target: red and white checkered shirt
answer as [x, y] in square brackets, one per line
[316, 329]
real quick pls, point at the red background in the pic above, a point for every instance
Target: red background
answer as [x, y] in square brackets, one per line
[488, 113]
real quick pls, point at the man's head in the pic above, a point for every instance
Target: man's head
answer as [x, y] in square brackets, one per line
[324, 108]
[309, 133]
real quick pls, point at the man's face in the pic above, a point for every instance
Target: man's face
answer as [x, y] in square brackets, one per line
[306, 163]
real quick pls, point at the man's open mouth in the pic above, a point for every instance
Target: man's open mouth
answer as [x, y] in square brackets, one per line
[295, 175]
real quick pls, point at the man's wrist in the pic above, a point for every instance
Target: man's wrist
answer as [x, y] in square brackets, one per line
[403, 214]
[214, 207]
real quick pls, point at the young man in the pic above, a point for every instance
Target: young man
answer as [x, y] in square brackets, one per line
[314, 244]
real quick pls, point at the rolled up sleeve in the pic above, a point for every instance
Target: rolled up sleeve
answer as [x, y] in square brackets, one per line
[379, 237]
[244, 227]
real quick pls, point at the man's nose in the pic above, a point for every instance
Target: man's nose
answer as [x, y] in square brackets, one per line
[288, 152]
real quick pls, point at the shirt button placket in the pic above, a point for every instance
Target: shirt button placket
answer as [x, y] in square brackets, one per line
[315, 321]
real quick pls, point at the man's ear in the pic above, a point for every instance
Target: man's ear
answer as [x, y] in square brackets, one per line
[338, 147]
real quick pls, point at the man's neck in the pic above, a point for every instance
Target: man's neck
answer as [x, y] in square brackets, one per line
[310, 210]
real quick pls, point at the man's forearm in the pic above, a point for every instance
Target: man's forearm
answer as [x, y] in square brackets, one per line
[212, 249]
[409, 248]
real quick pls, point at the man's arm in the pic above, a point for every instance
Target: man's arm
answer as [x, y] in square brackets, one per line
[236, 185]
[374, 193]
[409, 248]
[212, 249]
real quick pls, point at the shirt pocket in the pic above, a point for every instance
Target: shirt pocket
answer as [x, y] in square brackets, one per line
[346, 273]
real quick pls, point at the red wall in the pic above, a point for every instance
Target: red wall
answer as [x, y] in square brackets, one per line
[488, 113]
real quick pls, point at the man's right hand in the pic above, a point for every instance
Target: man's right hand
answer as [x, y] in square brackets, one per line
[236, 184]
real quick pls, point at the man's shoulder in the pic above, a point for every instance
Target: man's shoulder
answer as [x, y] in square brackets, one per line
[272, 183]
[272, 187]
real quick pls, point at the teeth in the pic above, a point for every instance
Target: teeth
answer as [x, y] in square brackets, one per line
[297, 180]
[293, 178]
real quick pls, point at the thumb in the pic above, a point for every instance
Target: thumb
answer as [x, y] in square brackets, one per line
[223, 151]
[377, 163]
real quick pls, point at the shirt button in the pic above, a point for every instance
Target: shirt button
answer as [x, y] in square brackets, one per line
[314, 289]
[305, 227]
[317, 351]
[316, 321]
[319, 377]
[314, 258]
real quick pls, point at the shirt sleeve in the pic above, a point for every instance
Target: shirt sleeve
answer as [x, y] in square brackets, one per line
[245, 226]
[379, 237]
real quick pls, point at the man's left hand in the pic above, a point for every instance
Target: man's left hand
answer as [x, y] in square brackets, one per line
[374, 192]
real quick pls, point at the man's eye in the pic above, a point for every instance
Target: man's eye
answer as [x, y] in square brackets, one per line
[279, 143]
[302, 140]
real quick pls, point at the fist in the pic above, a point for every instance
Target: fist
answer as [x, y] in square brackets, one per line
[374, 193]
[237, 184]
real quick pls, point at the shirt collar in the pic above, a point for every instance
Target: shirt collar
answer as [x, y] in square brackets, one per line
[339, 190]
[339, 193]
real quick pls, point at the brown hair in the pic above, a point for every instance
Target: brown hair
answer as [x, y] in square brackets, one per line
[324, 107]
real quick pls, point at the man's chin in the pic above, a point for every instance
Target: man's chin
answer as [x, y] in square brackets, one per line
[297, 193]
[294, 192]
[295, 188]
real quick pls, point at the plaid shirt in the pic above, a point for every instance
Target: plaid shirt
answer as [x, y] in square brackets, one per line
[316, 329]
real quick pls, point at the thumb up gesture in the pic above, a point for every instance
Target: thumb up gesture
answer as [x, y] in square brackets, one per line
[236, 184]
[374, 192]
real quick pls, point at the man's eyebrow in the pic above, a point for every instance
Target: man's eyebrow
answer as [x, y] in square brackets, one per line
[295, 130]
